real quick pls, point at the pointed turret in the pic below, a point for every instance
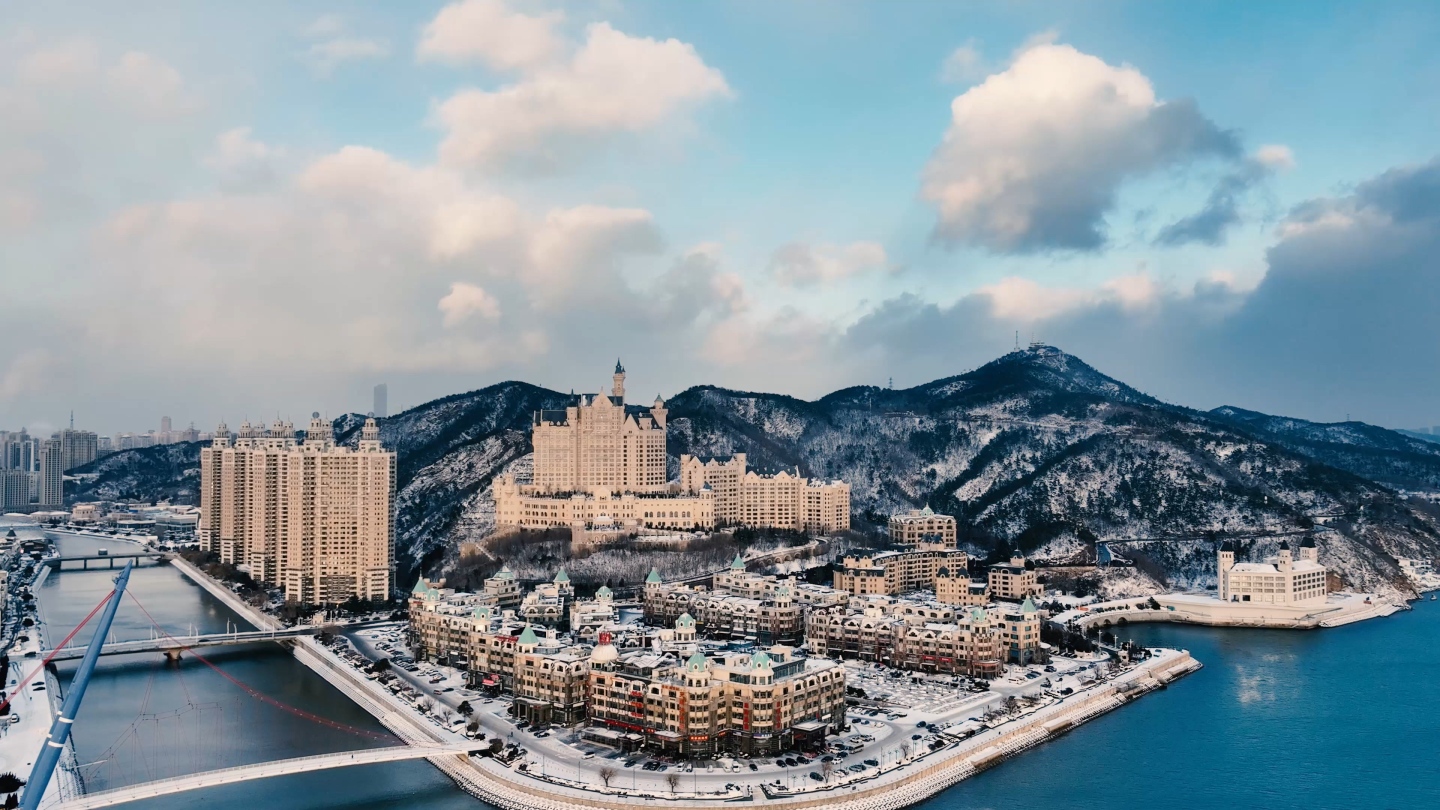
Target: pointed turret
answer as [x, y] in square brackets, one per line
[653, 578]
[737, 564]
[528, 637]
[1028, 606]
[562, 578]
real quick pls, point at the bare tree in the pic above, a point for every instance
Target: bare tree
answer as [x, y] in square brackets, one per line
[426, 704]
[446, 715]
[905, 750]
[606, 774]
[673, 780]
[827, 769]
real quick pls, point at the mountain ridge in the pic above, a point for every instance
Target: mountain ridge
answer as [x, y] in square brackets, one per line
[1035, 451]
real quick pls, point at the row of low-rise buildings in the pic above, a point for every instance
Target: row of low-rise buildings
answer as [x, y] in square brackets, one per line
[658, 689]
[596, 463]
[313, 517]
[969, 634]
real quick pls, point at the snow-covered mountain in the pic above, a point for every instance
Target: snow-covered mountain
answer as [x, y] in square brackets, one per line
[1035, 451]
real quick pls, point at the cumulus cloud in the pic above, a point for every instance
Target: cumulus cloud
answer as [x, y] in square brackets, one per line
[487, 32]
[150, 81]
[800, 263]
[241, 161]
[1035, 155]
[466, 301]
[614, 83]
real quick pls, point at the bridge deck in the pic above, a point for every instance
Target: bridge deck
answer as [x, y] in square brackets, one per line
[261, 770]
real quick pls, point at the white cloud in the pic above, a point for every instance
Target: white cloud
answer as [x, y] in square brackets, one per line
[1275, 156]
[614, 83]
[241, 161]
[330, 54]
[964, 64]
[487, 32]
[1022, 299]
[147, 80]
[574, 249]
[1034, 155]
[800, 264]
[466, 301]
[73, 60]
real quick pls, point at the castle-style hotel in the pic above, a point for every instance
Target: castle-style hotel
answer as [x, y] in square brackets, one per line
[598, 465]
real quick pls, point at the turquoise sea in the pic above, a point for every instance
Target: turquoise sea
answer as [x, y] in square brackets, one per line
[1342, 718]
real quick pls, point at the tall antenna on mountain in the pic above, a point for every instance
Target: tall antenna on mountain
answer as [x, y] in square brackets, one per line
[1017, 340]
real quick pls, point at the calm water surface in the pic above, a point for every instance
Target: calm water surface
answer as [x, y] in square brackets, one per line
[144, 719]
[1342, 718]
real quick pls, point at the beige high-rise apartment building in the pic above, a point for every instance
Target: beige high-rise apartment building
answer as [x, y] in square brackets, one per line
[77, 447]
[52, 474]
[312, 516]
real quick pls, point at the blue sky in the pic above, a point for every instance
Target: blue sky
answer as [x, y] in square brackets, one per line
[213, 210]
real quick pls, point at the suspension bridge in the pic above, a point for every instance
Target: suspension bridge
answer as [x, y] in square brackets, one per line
[175, 739]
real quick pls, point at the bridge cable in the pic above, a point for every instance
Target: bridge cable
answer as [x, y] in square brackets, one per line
[257, 694]
[41, 666]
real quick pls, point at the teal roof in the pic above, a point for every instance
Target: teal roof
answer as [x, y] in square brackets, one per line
[696, 661]
[654, 576]
[504, 573]
[685, 620]
[604, 591]
[760, 660]
[481, 612]
[1028, 606]
[737, 564]
[420, 586]
[977, 613]
[561, 576]
[528, 636]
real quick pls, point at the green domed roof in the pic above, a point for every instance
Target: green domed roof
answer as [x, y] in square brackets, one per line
[760, 660]
[685, 620]
[604, 591]
[977, 613]
[696, 662]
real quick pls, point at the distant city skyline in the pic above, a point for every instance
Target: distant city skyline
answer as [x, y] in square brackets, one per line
[1215, 207]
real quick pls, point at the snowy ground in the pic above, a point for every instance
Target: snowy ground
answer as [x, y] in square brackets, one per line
[887, 733]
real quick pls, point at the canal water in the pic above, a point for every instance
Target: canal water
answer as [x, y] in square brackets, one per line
[144, 718]
[1341, 718]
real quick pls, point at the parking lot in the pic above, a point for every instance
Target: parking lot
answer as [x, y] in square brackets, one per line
[903, 714]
